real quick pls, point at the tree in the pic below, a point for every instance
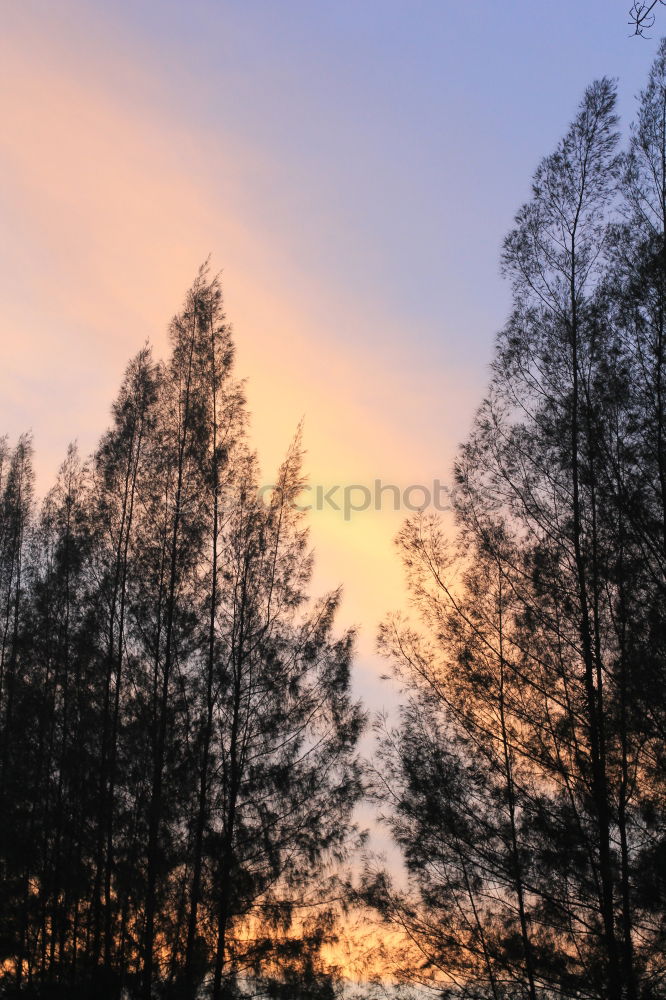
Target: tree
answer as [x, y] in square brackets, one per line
[16, 510]
[287, 726]
[118, 462]
[526, 775]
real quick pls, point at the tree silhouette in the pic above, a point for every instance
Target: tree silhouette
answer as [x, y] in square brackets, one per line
[642, 15]
[526, 776]
[178, 754]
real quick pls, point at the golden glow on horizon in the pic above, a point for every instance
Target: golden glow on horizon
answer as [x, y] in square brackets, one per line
[365, 950]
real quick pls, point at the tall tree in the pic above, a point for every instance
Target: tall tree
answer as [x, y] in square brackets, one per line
[526, 774]
[287, 726]
[117, 468]
[16, 510]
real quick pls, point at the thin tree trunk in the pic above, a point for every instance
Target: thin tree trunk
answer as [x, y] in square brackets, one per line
[202, 808]
[511, 802]
[155, 812]
[597, 751]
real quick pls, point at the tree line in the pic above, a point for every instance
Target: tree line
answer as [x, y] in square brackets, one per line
[179, 745]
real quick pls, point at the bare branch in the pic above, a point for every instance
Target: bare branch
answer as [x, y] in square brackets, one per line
[642, 17]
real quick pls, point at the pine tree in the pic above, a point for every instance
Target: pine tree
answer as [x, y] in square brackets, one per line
[527, 775]
[16, 510]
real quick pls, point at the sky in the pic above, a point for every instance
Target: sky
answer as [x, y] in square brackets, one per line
[351, 166]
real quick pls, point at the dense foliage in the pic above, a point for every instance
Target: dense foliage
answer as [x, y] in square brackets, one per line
[177, 757]
[526, 782]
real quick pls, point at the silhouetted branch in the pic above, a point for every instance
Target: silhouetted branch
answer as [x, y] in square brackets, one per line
[642, 16]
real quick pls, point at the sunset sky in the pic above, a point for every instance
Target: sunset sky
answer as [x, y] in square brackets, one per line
[350, 165]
